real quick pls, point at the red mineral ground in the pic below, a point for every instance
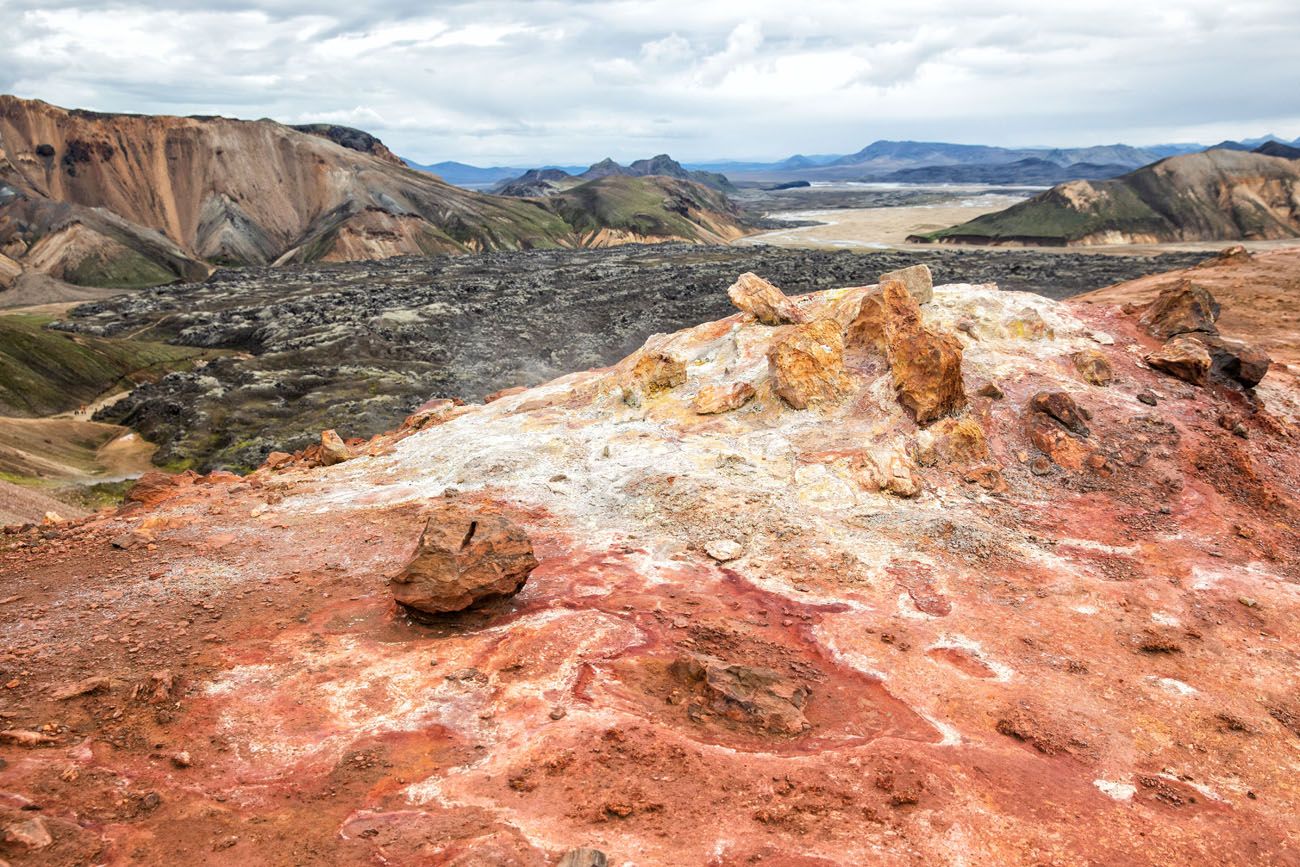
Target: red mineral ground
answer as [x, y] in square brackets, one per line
[1058, 624]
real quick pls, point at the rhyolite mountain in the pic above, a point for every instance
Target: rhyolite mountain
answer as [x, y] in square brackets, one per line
[134, 200]
[1217, 195]
[549, 181]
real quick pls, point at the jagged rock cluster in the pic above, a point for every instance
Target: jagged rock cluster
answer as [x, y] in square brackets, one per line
[1185, 315]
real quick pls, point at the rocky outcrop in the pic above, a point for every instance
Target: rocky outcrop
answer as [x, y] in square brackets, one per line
[713, 399]
[807, 364]
[765, 302]
[1181, 309]
[916, 278]
[463, 557]
[925, 363]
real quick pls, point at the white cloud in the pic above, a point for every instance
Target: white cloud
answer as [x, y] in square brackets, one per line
[499, 81]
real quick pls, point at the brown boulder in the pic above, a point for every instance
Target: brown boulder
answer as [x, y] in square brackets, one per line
[1235, 361]
[917, 279]
[152, 488]
[1093, 366]
[1183, 357]
[758, 698]
[1181, 309]
[925, 364]
[712, 399]
[954, 441]
[807, 364]
[1061, 407]
[332, 449]
[463, 557]
[766, 303]
[867, 330]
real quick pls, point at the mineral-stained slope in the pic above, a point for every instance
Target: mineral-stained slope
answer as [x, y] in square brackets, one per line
[1217, 195]
[1058, 625]
[132, 200]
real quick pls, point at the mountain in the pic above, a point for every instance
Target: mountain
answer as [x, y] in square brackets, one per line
[549, 181]
[706, 627]
[1277, 149]
[882, 156]
[1033, 170]
[1217, 195]
[134, 200]
[474, 177]
[352, 139]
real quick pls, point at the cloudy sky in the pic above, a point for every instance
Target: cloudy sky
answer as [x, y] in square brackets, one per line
[573, 81]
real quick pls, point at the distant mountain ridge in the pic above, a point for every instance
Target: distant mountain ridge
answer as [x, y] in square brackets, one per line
[1215, 195]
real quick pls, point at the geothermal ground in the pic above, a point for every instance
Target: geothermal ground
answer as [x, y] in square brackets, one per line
[359, 346]
[1058, 625]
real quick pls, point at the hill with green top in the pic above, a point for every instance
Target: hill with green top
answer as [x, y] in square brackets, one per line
[1217, 195]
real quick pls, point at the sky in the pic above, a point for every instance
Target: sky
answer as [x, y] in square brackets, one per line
[570, 81]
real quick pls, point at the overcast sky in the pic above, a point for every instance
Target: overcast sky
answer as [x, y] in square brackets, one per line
[573, 81]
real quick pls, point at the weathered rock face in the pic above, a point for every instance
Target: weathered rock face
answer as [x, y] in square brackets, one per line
[924, 363]
[464, 557]
[1181, 309]
[1183, 357]
[807, 364]
[1061, 407]
[758, 698]
[656, 370]
[713, 399]
[765, 302]
[1234, 360]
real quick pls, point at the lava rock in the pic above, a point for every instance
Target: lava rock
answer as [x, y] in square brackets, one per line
[1181, 309]
[766, 303]
[1061, 407]
[464, 557]
[1183, 357]
[807, 364]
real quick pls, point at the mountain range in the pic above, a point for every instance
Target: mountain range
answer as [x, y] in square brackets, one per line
[117, 200]
[1219, 194]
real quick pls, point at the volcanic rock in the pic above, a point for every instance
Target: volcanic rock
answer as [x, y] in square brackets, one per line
[917, 279]
[332, 449]
[723, 550]
[925, 364]
[655, 370]
[1180, 309]
[1061, 407]
[1234, 360]
[1093, 366]
[759, 698]
[712, 399]
[152, 488]
[463, 557]
[952, 441]
[1184, 357]
[583, 858]
[765, 302]
[807, 364]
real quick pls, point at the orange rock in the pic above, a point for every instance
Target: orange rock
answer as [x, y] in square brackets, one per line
[917, 279]
[925, 364]
[766, 303]
[722, 398]
[1093, 366]
[954, 441]
[505, 392]
[332, 449]
[462, 558]
[277, 459]
[152, 488]
[1183, 357]
[807, 364]
[867, 330]
[656, 370]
